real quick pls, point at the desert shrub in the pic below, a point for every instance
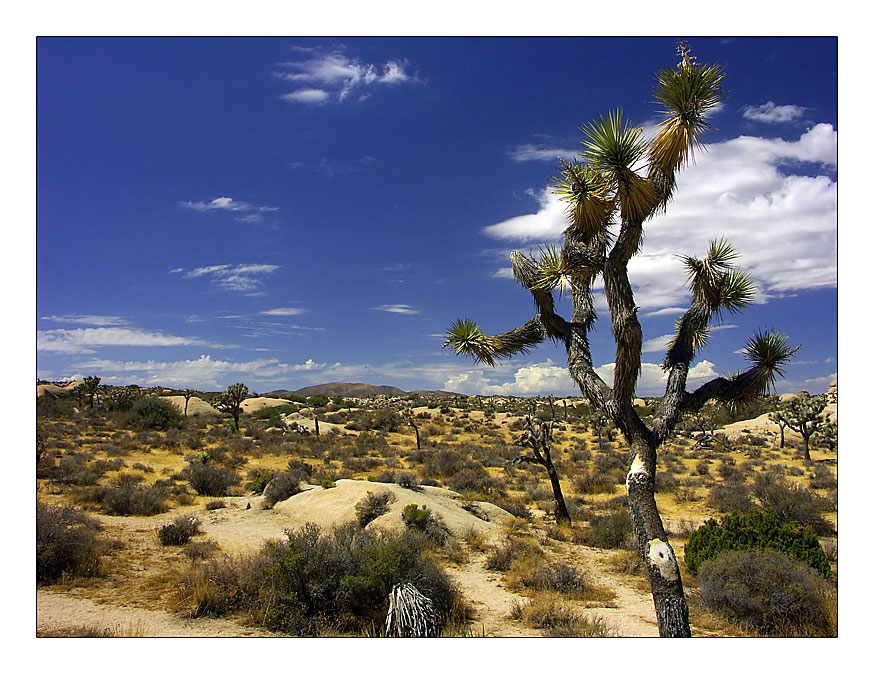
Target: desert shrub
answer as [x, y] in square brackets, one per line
[729, 472]
[593, 482]
[823, 478]
[257, 479]
[372, 506]
[515, 506]
[408, 480]
[502, 556]
[611, 530]
[474, 478]
[66, 542]
[425, 521]
[77, 469]
[338, 580]
[179, 531]
[200, 550]
[666, 481]
[124, 498]
[793, 504]
[442, 463]
[210, 479]
[549, 612]
[768, 591]
[703, 467]
[283, 485]
[151, 412]
[214, 505]
[754, 529]
[729, 497]
[562, 578]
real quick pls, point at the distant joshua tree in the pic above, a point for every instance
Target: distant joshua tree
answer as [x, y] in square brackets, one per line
[231, 401]
[539, 437]
[621, 181]
[188, 393]
[92, 387]
[804, 415]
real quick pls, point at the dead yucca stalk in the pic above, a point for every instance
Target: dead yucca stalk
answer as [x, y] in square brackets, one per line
[411, 614]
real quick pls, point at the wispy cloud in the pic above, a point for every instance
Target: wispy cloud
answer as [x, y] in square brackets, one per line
[88, 319]
[781, 223]
[85, 340]
[240, 278]
[397, 309]
[529, 153]
[771, 113]
[251, 213]
[284, 311]
[332, 75]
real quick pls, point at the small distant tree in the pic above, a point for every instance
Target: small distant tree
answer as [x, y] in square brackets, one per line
[411, 422]
[621, 181]
[188, 393]
[121, 398]
[230, 401]
[804, 415]
[92, 387]
[538, 436]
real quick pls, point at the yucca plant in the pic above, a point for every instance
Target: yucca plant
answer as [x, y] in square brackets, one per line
[618, 183]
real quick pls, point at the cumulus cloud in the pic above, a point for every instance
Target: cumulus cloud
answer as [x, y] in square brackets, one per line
[228, 277]
[327, 75]
[771, 113]
[756, 192]
[85, 340]
[529, 152]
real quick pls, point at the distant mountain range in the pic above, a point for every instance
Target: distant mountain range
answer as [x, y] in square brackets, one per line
[355, 390]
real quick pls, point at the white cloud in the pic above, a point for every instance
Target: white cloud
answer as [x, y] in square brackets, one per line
[88, 319]
[783, 224]
[333, 74]
[84, 340]
[529, 152]
[230, 277]
[283, 311]
[772, 114]
[397, 309]
[252, 213]
[203, 373]
[310, 96]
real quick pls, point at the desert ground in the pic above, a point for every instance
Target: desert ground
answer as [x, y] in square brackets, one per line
[463, 472]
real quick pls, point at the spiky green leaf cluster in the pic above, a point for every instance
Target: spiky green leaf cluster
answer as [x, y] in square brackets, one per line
[466, 339]
[589, 193]
[687, 94]
[768, 353]
[716, 283]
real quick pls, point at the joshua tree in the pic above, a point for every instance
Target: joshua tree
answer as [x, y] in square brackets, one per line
[188, 393]
[411, 422]
[779, 417]
[231, 400]
[92, 387]
[620, 182]
[803, 414]
[540, 440]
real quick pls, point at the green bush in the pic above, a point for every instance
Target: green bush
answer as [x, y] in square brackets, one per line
[754, 529]
[612, 530]
[151, 412]
[66, 542]
[425, 521]
[768, 591]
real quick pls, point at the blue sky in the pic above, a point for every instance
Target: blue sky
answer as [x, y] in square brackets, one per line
[286, 212]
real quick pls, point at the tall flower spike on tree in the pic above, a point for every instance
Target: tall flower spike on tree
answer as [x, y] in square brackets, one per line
[620, 181]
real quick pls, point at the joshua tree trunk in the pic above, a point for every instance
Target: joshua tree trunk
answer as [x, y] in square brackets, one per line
[541, 441]
[672, 614]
